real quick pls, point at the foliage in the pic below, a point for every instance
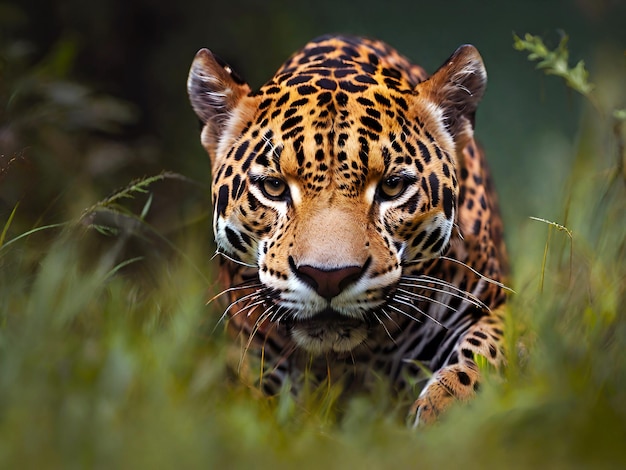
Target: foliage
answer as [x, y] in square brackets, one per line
[101, 369]
[555, 62]
[58, 137]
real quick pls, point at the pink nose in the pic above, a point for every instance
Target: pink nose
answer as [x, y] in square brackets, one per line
[329, 283]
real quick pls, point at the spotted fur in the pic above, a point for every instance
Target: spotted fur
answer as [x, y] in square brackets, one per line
[355, 215]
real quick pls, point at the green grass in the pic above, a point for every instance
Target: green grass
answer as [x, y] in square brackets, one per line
[108, 357]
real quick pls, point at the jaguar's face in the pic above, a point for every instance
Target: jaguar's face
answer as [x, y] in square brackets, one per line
[330, 192]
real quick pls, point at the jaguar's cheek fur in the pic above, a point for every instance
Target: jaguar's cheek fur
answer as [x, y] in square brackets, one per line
[356, 217]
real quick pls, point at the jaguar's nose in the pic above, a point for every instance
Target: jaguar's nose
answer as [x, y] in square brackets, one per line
[329, 283]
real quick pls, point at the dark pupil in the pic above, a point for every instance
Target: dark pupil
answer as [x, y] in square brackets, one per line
[393, 182]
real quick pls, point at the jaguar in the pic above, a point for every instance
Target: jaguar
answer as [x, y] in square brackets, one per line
[356, 220]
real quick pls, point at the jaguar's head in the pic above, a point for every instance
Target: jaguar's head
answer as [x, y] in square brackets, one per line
[332, 178]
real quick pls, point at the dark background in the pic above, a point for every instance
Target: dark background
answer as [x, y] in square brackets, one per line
[93, 93]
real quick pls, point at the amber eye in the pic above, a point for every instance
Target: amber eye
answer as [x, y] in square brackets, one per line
[392, 187]
[274, 188]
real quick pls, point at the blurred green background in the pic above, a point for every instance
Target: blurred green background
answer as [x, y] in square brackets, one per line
[133, 118]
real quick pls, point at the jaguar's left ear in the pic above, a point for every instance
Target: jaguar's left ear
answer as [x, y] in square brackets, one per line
[215, 92]
[457, 87]
[214, 88]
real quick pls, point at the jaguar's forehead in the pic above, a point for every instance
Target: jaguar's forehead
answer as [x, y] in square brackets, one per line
[348, 61]
[336, 76]
[336, 112]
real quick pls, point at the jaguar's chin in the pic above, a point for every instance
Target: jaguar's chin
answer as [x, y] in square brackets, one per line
[328, 331]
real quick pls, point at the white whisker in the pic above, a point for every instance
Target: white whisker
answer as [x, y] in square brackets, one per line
[427, 299]
[406, 301]
[249, 306]
[280, 313]
[402, 312]
[390, 319]
[255, 329]
[482, 276]
[385, 327]
[236, 261]
[460, 294]
[242, 286]
[433, 280]
[254, 296]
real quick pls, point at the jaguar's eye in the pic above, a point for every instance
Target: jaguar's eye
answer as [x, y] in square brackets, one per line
[392, 187]
[274, 188]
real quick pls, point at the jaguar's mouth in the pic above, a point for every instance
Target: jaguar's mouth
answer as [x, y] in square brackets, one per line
[328, 331]
[327, 318]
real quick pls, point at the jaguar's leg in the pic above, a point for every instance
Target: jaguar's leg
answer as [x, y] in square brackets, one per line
[459, 381]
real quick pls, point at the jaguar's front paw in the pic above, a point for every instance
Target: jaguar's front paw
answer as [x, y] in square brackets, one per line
[442, 390]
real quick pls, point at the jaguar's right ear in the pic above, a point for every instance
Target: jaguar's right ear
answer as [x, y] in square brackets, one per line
[214, 90]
